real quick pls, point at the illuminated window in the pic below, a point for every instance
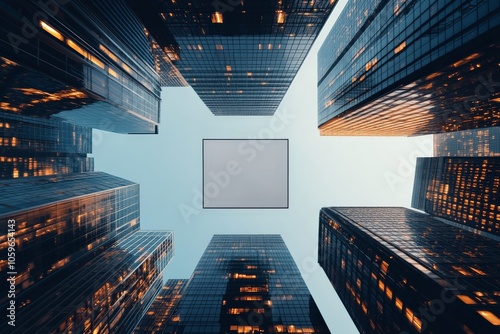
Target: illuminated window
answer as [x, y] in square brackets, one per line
[417, 323]
[398, 303]
[409, 314]
[217, 18]
[108, 53]
[384, 266]
[388, 293]
[493, 319]
[370, 64]
[112, 72]
[400, 47]
[280, 16]
[51, 31]
[248, 298]
[76, 47]
[466, 299]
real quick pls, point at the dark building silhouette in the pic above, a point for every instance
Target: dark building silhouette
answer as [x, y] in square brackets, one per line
[242, 284]
[401, 68]
[239, 57]
[32, 146]
[59, 220]
[91, 63]
[108, 294]
[464, 190]
[400, 271]
[468, 143]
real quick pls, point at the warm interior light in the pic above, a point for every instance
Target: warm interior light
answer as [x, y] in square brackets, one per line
[493, 319]
[217, 18]
[466, 299]
[51, 31]
[96, 61]
[112, 72]
[280, 16]
[400, 47]
[76, 47]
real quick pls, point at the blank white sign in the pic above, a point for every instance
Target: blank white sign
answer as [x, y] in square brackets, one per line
[245, 173]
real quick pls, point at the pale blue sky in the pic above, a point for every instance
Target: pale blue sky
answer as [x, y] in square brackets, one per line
[324, 171]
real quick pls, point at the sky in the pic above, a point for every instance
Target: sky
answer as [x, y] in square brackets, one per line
[323, 171]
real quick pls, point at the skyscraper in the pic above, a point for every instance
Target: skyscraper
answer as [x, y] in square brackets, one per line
[464, 190]
[33, 146]
[108, 294]
[401, 68]
[400, 271]
[468, 143]
[58, 221]
[239, 57]
[88, 62]
[242, 284]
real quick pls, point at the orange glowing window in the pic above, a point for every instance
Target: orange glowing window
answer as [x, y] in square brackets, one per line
[51, 31]
[217, 18]
[400, 47]
[112, 72]
[417, 323]
[409, 314]
[280, 16]
[76, 47]
[398, 303]
[108, 53]
[466, 299]
[492, 318]
[384, 266]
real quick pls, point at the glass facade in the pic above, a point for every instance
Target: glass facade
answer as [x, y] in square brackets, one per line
[108, 294]
[468, 143]
[36, 146]
[401, 68]
[163, 307]
[59, 220]
[89, 62]
[242, 284]
[464, 190]
[400, 271]
[239, 57]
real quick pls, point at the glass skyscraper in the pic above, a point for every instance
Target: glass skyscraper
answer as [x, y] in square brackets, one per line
[400, 271]
[60, 220]
[468, 143]
[464, 190]
[108, 294]
[242, 284]
[401, 68]
[239, 57]
[89, 62]
[33, 146]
